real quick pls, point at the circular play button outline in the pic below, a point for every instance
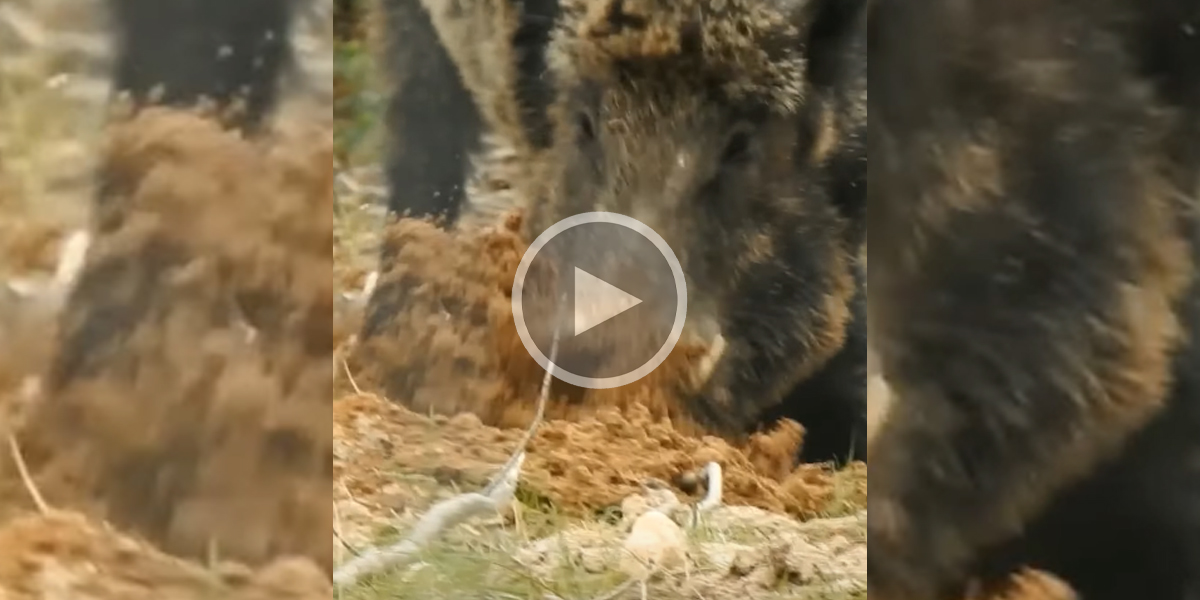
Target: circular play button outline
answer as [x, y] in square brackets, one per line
[600, 383]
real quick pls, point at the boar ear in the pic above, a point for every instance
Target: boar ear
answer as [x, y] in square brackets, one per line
[827, 29]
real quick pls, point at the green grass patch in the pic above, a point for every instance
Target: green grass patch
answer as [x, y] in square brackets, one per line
[358, 104]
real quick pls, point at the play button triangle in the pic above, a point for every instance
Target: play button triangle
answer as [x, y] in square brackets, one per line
[597, 301]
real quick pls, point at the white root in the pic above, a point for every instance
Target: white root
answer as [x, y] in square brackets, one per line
[442, 516]
[712, 498]
[453, 511]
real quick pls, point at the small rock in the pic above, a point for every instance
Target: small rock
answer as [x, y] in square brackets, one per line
[655, 542]
[744, 562]
[661, 497]
[632, 507]
[465, 420]
[656, 497]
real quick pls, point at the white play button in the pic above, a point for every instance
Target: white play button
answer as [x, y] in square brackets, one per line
[611, 287]
[597, 301]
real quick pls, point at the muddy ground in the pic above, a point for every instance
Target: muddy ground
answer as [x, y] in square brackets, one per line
[435, 405]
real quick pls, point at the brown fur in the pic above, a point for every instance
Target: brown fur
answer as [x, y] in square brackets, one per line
[747, 46]
[1032, 299]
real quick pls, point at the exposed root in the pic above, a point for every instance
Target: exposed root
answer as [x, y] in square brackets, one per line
[449, 513]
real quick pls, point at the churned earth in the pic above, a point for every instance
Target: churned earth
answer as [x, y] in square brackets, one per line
[165, 366]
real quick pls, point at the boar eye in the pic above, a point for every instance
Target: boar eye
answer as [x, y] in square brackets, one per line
[737, 149]
[585, 126]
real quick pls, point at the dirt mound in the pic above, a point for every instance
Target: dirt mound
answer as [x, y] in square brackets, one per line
[440, 336]
[189, 399]
[62, 555]
[583, 465]
[440, 340]
[410, 350]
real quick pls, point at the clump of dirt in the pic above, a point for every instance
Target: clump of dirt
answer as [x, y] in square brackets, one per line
[580, 466]
[63, 555]
[28, 245]
[598, 461]
[188, 398]
[409, 349]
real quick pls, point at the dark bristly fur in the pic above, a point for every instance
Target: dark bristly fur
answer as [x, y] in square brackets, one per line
[179, 52]
[836, 428]
[485, 76]
[724, 126]
[765, 103]
[1033, 193]
[434, 126]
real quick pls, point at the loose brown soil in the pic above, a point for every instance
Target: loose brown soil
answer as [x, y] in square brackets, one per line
[448, 347]
[447, 341]
[579, 466]
[64, 555]
[185, 387]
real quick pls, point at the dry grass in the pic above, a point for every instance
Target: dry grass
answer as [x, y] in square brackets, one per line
[546, 555]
